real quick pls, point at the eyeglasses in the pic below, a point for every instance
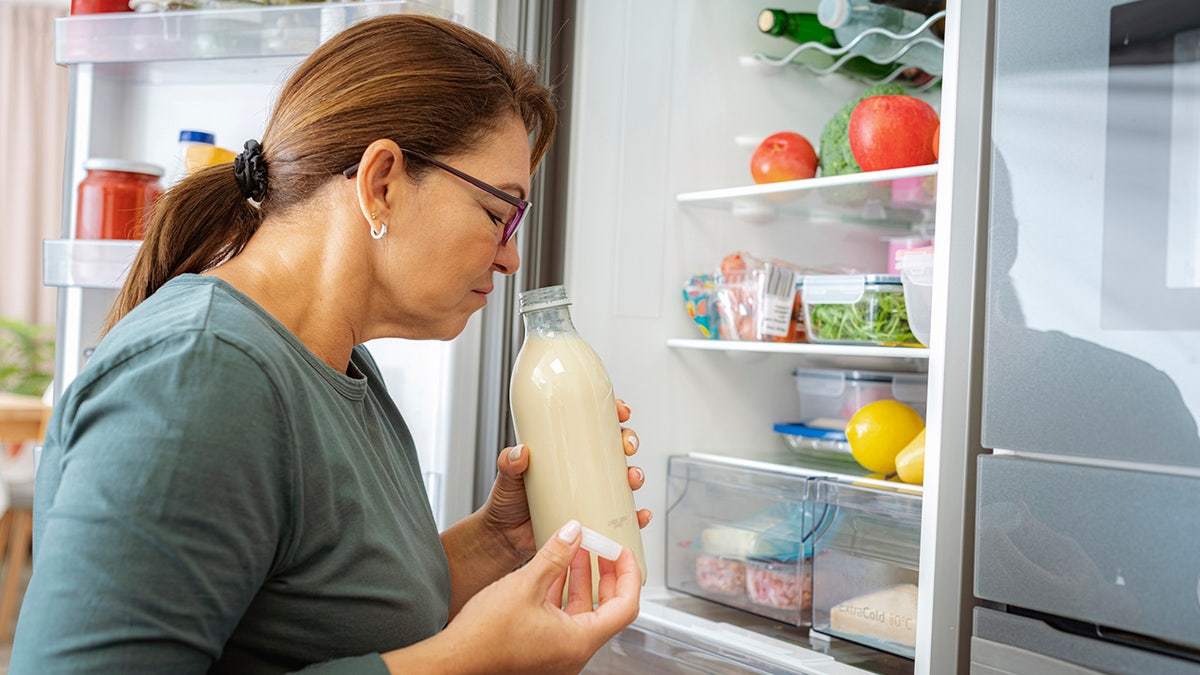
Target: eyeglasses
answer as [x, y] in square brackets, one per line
[511, 223]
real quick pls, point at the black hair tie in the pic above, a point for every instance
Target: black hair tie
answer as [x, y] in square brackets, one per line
[250, 169]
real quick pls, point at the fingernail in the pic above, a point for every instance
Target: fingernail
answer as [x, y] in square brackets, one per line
[633, 441]
[515, 453]
[569, 532]
[641, 474]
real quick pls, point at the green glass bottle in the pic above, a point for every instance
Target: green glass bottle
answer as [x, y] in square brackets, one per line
[803, 27]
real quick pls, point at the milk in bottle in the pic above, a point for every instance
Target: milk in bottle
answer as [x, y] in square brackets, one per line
[565, 413]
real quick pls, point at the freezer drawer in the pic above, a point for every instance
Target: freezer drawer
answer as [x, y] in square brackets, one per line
[1118, 549]
[1004, 643]
[865, 565]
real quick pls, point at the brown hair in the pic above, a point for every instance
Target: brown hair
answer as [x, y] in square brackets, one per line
[429, 84]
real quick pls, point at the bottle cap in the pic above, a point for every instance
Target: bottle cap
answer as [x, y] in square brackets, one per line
[193, 136]
[600, 545]
[771, 21]
[833, 13]
[541, 298]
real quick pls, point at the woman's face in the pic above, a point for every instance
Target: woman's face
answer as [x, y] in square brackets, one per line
[444, 243]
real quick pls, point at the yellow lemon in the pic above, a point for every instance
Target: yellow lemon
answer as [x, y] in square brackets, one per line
[878, 431]
[910, 463]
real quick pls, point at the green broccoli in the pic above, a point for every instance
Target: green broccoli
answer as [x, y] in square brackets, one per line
[835, 157]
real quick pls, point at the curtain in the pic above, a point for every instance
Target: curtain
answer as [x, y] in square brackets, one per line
[33, 118]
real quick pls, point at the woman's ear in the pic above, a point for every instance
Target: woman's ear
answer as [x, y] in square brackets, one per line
[380, 175]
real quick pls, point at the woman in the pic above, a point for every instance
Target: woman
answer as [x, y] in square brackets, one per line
[227, 486]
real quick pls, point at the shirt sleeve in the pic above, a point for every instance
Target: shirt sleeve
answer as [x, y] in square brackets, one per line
[167, 497]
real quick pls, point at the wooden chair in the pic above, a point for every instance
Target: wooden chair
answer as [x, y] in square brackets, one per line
[16, 532]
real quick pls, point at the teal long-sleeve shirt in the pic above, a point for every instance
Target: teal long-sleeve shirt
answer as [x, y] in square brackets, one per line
[214, 498]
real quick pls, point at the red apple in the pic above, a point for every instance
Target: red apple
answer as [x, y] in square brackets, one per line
[891, 132]
[783, 156]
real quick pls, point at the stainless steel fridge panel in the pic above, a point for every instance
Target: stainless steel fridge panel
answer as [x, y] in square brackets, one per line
[1119, 549]
[1004, 643]
[1093, 294]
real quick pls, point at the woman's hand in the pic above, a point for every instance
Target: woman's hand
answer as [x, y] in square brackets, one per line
[520, 624]
[507, 511]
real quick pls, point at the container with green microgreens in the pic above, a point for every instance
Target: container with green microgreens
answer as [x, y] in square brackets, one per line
[861, 309]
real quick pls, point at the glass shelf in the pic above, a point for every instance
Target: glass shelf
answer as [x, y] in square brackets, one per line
[895, 197]
[87, 263]
[205, 34]
[868, 357]
[820, 59]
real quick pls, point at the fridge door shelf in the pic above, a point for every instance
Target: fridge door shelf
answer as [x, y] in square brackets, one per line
[820, 59]
[204, 34]
[914, 359]
[87, 263]
[898, 199]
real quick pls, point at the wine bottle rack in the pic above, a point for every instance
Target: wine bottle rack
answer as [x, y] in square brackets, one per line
[838, 56]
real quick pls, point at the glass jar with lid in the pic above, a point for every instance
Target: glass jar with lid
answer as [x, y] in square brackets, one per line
[115, 198]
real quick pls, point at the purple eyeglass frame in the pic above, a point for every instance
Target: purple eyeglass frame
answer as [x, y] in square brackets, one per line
[510, 228]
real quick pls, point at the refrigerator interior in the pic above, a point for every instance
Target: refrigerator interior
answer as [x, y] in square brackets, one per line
[669, 105]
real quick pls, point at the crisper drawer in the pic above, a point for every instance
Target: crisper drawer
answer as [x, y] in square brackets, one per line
[865, 565]
[742, 537]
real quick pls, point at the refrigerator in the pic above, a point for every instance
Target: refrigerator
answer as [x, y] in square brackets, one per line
[1086, 517]
[648, 184]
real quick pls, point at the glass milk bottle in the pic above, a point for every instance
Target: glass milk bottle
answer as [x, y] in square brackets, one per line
[565, 413]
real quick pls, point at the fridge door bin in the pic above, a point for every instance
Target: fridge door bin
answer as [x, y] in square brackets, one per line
[741, 536]
[865, 565]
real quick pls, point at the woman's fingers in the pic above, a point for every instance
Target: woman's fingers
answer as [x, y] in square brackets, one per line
[643, 517]
[618, 590]
[513, 461]
[623, 411]
[579, 584]
[629, 439]
[637, 477]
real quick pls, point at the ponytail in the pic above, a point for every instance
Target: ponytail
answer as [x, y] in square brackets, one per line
[197, 224]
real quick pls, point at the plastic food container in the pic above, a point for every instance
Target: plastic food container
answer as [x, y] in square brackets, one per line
[916, 275]
[815, 441]
[780, 584]
[115, 198]
[830, 397]
[863, 309]
[721, 574]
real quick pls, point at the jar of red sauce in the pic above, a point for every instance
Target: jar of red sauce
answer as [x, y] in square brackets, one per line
[115, 198]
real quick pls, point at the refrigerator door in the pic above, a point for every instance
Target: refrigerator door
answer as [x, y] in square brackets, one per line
[1093, 276]
[1004, 644]
[1116, 555]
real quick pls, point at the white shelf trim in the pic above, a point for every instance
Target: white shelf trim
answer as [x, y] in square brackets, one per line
[824, 182]
[803, 348]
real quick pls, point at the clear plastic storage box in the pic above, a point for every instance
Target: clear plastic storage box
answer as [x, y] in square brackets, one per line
[865, 565]
[864, 309]
[742, 537]
[829, 398]
[916, 275]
